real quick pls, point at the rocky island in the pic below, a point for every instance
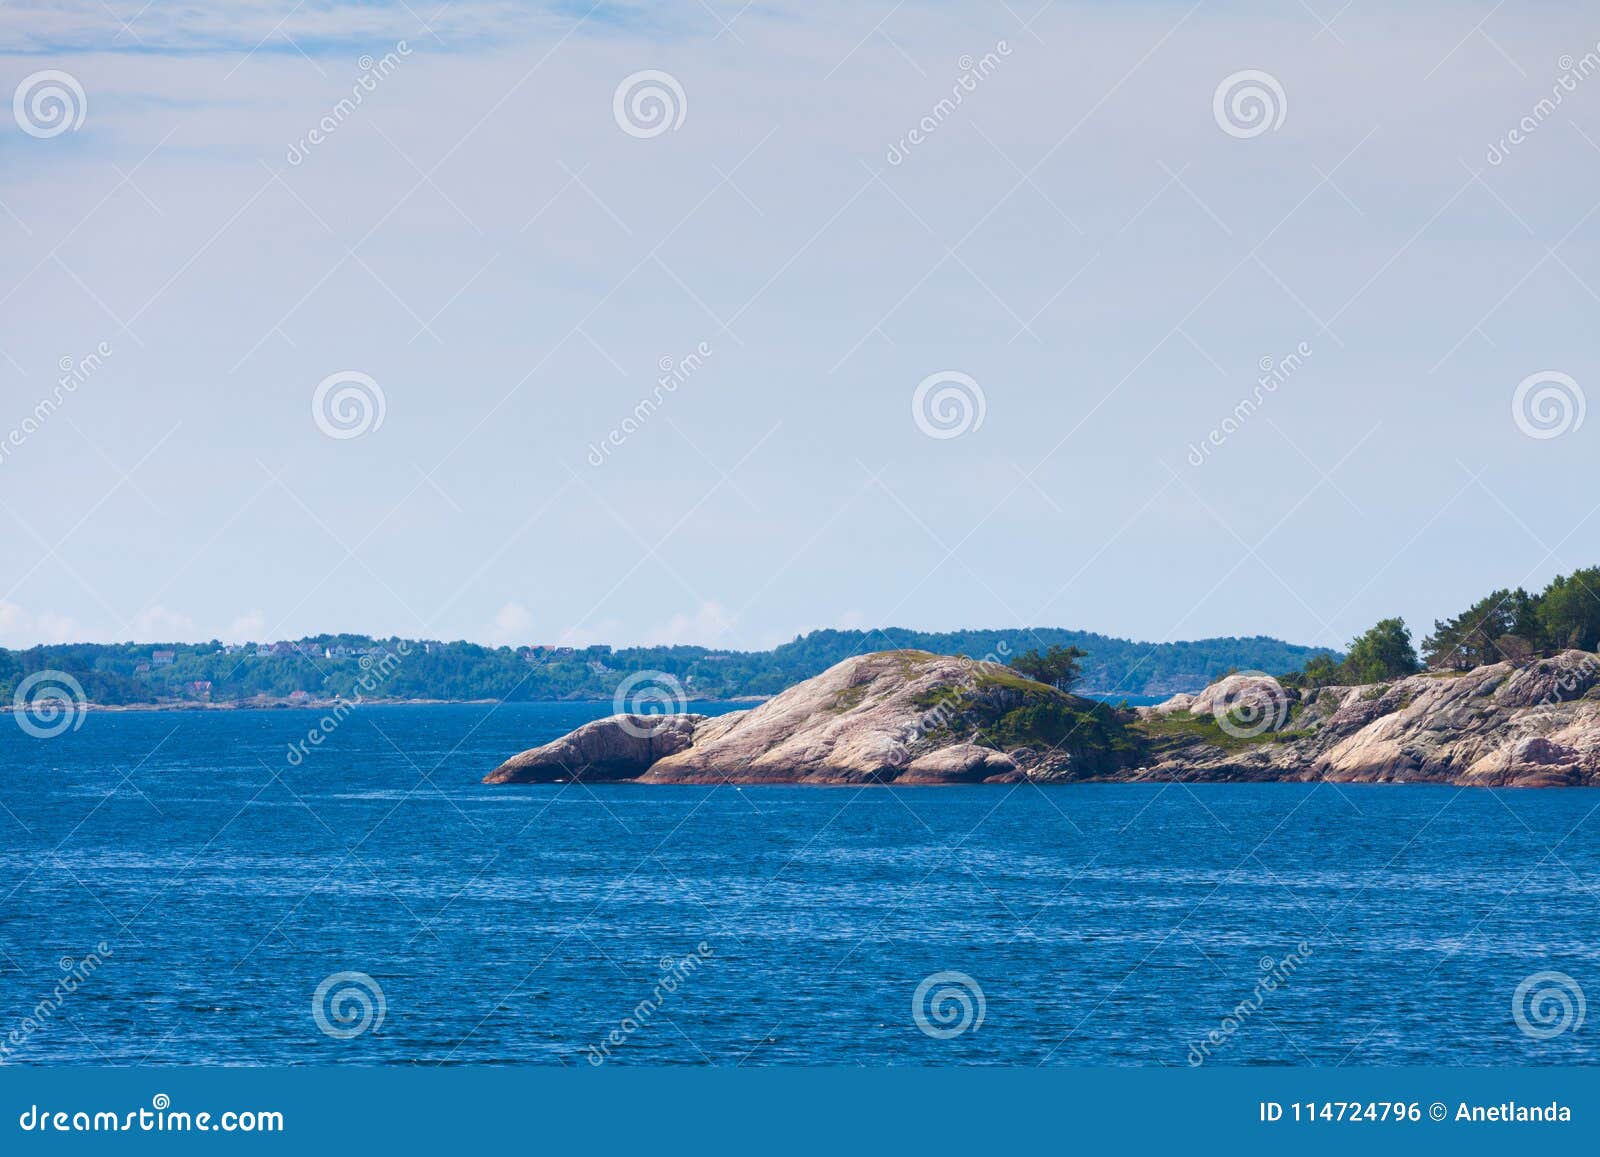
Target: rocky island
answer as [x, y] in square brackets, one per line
[911, 717]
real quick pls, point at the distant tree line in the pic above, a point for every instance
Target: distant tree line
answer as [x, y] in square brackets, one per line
[328, 666]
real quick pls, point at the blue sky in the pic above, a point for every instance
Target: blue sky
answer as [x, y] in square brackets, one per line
[1081, 237]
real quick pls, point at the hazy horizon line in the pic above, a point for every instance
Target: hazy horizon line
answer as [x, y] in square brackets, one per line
[660, 645]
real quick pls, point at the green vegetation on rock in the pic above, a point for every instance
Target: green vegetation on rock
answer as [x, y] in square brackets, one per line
[1383, 651]
[1003, 709]
[1060, 667]
[1178, 727]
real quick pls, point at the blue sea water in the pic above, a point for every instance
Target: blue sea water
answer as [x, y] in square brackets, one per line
[1102, 924]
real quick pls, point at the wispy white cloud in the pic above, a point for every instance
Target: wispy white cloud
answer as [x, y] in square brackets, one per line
[161, 625]
[709, 625]
[249, 627]
[22, 628]
[273, 26]
[512, 626]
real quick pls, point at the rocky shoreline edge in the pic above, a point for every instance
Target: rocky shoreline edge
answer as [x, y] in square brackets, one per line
[910, 717]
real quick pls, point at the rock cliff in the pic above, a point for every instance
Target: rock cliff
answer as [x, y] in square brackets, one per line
[1526, 724]
[910, 717]
[890, 717]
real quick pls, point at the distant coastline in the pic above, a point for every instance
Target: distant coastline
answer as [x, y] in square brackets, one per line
[275, 704]
[323, 670]
[289, 704]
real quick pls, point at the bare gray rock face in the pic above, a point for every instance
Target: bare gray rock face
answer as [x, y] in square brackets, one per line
[963, 763]
[1524, 724]
[621, 747]
[890, 717]
[909, 717]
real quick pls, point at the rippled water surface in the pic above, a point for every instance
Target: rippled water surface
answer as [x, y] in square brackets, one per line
[1115, 924]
